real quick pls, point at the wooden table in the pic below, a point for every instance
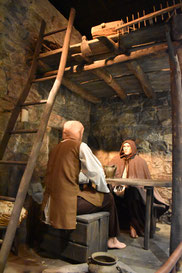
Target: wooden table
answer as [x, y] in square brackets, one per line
[148, 184]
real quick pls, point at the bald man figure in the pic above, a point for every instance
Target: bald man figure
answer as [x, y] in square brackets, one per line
[72, 162]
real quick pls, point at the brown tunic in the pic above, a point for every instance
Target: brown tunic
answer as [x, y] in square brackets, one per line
[62, 187]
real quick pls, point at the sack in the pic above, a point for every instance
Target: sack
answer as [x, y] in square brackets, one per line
[119, 190]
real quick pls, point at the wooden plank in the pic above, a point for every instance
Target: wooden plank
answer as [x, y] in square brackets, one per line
[139, 182]
[24, 94]
[24, 184]
[155, 49]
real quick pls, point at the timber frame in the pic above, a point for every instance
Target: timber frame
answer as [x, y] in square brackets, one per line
[126, 63]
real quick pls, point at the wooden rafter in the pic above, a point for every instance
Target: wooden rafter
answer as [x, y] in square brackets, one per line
[75, 88]
[142, 77]
[155, 49]
[109, 43]
[107, 77]
[79, 90]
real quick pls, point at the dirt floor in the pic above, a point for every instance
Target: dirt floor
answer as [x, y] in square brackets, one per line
[133, 257]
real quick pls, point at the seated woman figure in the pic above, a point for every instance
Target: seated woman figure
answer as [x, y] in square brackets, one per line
[131, 207]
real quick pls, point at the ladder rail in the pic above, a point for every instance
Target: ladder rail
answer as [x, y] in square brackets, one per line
[24, 94]
[23, 188]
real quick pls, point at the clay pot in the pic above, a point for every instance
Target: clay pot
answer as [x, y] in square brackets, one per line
[110, 171]
[103, 262]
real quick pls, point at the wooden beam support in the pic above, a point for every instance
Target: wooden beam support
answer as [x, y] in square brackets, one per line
[107, 77]
[143, 36]
[109, 43]
[155, 49]
[75, 88]
[142, 77]
[79, 90]
[176, 105]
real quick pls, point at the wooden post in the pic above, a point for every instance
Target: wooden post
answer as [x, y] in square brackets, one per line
[175, 59]
[10, 233]
[148, 217]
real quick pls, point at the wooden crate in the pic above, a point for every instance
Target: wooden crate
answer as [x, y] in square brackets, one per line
[106, 29]
[90, 236]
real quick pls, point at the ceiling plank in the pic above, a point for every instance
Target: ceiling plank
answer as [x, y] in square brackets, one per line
[107, 77]
[142, 77]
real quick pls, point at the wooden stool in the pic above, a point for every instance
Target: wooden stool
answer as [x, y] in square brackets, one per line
[90, 235]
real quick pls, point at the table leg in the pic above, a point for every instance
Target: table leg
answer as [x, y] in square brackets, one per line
[148, 217]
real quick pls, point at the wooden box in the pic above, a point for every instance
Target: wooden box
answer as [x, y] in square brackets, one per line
[91, 235]
[106, 29]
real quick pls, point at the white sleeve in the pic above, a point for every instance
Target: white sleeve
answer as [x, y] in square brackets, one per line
[92, 168]
[83, 179]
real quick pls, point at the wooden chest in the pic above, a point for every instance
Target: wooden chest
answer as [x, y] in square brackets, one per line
[91, 235]
[106, 29]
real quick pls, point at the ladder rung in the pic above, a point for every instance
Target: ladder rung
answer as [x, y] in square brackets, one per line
[34, 103]
[23, 132]
[13, 162]
[55, 31]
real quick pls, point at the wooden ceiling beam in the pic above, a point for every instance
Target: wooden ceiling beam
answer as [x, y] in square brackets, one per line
[155, 49]
[75, 88]
[79, 90]
[109, 43]
[143, 36]
[142, 77]
[107, 77]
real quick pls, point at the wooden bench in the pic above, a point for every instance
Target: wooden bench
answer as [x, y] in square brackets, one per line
[90, 235]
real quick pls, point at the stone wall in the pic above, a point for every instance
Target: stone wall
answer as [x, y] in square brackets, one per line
[19, 24]
[146, 121]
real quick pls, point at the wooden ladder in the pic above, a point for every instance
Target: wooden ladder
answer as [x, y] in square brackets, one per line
[30, 164]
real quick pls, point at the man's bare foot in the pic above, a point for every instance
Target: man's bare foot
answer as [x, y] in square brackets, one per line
[133, 232]
[114, 243]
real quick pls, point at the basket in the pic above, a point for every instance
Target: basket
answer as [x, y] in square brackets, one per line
[6, 208]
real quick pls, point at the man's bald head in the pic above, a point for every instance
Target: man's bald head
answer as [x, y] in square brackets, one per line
[73, 129]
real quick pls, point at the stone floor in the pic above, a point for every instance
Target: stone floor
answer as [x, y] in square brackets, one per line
[134, 257]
